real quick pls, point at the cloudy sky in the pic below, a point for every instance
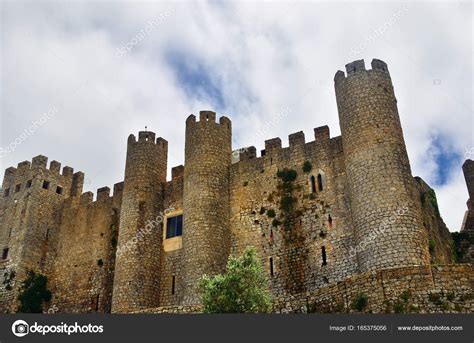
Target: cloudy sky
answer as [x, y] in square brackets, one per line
[86, 75]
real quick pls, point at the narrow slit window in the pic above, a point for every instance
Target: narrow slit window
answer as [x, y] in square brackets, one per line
[272, 272]
[323, 255]
[46, 236]
[97, 303]
[173, 284]
[330, 222]
[320, 182]
[313, 184]
[174, 226]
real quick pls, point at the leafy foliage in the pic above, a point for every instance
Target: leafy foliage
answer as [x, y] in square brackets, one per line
[360, 303]
[243, 288]
[307, 166]
[33, 293]
[271, 213]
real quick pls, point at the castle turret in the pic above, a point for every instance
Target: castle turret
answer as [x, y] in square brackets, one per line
[206, 236]
[385, 211]
[136, 280]
[468, 170]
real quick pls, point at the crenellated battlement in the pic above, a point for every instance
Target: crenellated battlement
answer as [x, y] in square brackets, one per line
[273, 146]
[357, 67]
[208, 117]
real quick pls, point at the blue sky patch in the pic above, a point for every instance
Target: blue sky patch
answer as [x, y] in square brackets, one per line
[447, 159]
[196, 79]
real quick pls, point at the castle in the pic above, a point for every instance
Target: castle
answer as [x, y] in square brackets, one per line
[331, 218]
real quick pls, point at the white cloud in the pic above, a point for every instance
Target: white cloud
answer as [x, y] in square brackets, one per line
[264, 58]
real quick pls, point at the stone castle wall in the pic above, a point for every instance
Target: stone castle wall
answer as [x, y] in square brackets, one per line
[351, 213]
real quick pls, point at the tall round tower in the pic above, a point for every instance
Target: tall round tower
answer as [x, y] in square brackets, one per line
[385, 210]
[206, 204]
[136, 279]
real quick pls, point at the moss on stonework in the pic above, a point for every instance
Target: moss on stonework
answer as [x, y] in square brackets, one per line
[307, 166]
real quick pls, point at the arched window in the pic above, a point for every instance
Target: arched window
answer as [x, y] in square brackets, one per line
[313, 184]
[320, 182]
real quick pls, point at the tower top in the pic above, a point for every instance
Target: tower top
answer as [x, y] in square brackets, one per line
[359, 66]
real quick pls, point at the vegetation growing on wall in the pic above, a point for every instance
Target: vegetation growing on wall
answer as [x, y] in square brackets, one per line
[8, 278]
[307, 166]
[33, 293]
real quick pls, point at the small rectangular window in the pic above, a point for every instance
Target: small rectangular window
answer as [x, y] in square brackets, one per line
[29, 183]
[174, 226]
[323, 255]
[59, 190]
[5, 254]
[45, 184]
[7, 192]
[17, 188]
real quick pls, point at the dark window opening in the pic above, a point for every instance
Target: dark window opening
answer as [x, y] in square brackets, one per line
[173, 284]
[10, 232]
[17, 188]
[323, 254]
[330, 221]
[97, 303]
[29, 183]
[5, 254]
[7, 192]
[45, 184]
[313, 184]
[59, 190]
[271, 266]
[46, 236]
[320, 182]
[174, 226]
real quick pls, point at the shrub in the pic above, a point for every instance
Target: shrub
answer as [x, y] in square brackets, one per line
[431, 245]
[360, 302]
[287, 175]
[243, 288]
[33, 293]
[307, 166]
[271, 213]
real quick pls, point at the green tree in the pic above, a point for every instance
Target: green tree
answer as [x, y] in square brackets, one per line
[33, 293]
[243, 288]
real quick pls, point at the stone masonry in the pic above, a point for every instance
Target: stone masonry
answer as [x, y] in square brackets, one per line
[351, 219]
